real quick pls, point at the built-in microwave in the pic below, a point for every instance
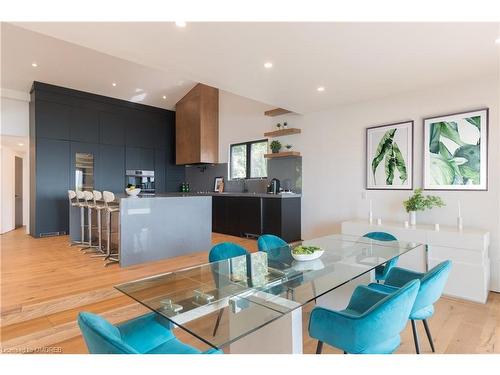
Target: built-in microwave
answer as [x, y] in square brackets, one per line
[145, 180]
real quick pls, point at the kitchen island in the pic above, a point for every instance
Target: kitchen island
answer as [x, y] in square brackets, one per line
[163, 226]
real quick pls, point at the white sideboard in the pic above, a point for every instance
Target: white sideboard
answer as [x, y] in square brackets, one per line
[467, 249]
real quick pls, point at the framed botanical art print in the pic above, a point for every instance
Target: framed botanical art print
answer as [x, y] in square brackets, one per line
[389, 156]
[456, 151]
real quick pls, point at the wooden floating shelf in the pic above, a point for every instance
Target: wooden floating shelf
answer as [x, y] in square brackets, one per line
[283, 154]
[279, 133]
[277, 112]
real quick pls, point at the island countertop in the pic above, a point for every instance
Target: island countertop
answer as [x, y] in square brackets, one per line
[210, 194]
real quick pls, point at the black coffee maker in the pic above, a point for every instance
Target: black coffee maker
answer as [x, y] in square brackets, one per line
[274, 186]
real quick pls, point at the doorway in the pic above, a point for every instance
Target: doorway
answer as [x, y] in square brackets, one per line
[18, 192]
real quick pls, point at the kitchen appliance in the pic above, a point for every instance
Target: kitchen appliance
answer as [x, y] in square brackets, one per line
[144, 180]
[274, 186]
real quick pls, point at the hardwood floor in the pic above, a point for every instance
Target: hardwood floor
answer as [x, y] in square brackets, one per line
[45, 283]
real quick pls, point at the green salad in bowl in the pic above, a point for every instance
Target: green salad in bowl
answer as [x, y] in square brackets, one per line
[305, 253]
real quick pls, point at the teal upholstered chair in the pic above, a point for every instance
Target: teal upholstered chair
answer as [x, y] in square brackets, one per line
[431, 287]
[147, 334]
[382, 270]
[268, 242]
[222, 251]
[371, 323]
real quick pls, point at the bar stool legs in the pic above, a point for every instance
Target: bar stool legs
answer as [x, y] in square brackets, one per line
[99, 237]
[110, 257]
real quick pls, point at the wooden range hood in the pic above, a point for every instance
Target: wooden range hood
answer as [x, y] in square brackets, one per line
[197, 126]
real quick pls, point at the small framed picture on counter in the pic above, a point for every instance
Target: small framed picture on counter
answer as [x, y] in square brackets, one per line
[219, 184]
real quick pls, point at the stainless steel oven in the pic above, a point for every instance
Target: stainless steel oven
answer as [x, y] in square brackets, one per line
[145, 180]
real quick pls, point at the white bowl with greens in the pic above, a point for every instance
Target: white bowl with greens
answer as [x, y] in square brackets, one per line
[306, 253]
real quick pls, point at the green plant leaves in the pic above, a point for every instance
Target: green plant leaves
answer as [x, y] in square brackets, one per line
[476, 121]
[419, 202]
[389, 150]
[384, 146]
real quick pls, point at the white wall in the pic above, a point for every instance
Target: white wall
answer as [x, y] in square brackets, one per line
[333, 150]
[240, 120]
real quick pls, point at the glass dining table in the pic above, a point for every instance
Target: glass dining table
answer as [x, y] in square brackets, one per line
[256, 300]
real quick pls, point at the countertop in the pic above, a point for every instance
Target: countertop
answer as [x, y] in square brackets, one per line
[214, 194]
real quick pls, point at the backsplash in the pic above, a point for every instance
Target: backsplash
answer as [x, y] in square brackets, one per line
[287, 170]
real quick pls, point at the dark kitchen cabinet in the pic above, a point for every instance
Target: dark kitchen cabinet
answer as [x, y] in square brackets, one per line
[51, 184]
[84, 125]
[160, 170]
[240, 216]
[140, 158]
[141, 131]
[112, 128]
[52, 120]
[111, 168]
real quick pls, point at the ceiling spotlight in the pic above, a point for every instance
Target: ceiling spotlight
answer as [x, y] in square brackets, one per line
[164, 97]
[268, 65]
[321, 89]
[34, 64]
[20, 144]
[180, 23]
[114, 84]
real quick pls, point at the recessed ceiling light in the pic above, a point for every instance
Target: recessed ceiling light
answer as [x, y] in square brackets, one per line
[114, 84]
[321, 89]
[34, 64]
[20, 144]
[164, 97]
[268, 65]
[180, 23]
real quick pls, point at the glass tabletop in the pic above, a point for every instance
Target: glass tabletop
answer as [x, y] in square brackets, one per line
[245, 293]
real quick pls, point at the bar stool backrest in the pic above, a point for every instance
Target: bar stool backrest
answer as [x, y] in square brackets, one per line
[71, 194]
[108, 197]
[97, 196]
[88, 196]
[80, 197]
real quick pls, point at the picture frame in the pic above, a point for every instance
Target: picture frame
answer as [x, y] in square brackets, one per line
[389, 156]
[217, 183]
[456, 151]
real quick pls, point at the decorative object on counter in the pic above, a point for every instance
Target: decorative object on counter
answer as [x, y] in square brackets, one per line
[288, 147]
[456, 151]
[132, 191]
[275, 146]
[219, 184]
[185, 188]
[419, 202]
[389, 156]
[285, 124]
[278, 125]
[370, 212]
[436, 227]
[379, 221]
[306, 253]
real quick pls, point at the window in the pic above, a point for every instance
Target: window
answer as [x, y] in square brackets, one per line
[247, 160]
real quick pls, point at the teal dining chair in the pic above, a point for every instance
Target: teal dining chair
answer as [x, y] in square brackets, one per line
[432, 284]
[382, 270]
[222, 251]
[267, 242]
[370, 324]
[146, 334]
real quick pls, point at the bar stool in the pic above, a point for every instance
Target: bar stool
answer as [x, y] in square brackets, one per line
[73, 202]
[99, 206]
[89, 201]
[80, 198]
[109, 198]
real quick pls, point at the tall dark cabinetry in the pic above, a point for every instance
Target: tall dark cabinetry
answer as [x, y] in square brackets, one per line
[120, 135]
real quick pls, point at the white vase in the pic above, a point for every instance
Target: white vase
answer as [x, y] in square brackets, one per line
[413, 218]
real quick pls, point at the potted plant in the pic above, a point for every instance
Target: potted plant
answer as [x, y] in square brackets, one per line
[275, 146]
[419, 202]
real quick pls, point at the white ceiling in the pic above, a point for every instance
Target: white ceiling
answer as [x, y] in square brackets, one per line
[353, 61]
[70, 65]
